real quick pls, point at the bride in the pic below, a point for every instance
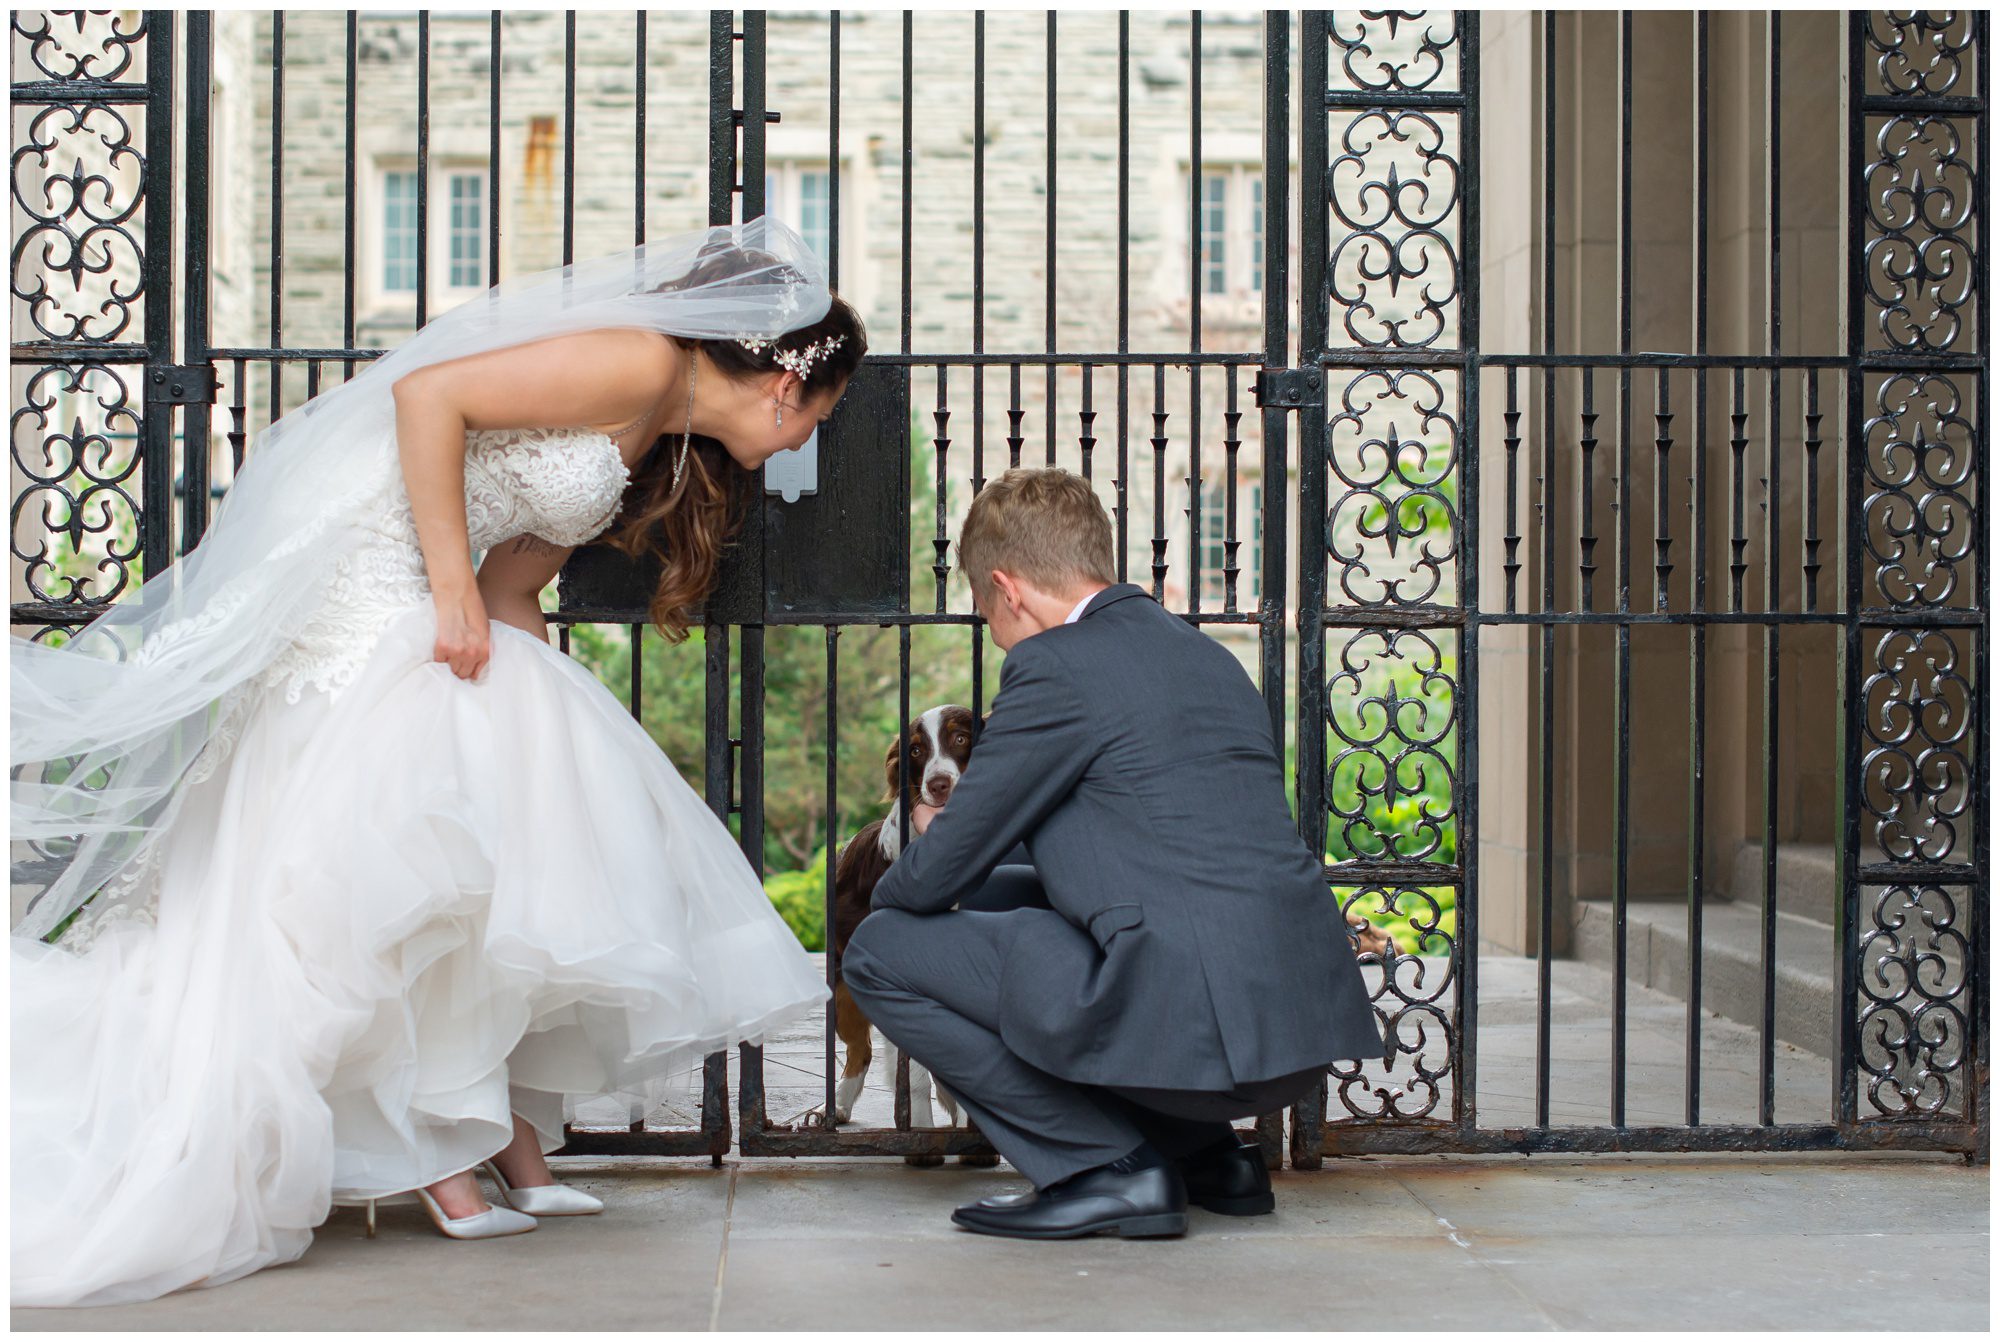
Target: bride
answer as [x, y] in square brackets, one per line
[361, 881]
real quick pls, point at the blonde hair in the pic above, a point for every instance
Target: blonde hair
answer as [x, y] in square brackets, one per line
[1044, 525]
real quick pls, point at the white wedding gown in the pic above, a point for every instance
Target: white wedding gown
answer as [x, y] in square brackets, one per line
[396, 907]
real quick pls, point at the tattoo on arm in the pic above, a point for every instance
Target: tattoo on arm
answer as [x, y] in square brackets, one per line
[526, 544]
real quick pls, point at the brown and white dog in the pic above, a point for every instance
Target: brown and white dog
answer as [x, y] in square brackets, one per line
[940, 743]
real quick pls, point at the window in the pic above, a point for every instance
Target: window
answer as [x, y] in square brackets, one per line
[399, 232]
[456, 228]
[1215, 233]
[1231, 219]
[468, 230]
[1257, 235]
[1249, 549]
[801, 194]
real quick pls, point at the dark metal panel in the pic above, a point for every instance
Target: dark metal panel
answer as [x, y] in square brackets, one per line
[843, 553]
[157, 527]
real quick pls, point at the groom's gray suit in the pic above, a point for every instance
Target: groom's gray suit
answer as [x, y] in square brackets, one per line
[1172, 960]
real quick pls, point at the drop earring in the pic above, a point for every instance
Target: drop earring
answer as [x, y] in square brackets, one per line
[778, 405]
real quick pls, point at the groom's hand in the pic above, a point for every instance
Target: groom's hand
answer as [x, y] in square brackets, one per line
[921, 814]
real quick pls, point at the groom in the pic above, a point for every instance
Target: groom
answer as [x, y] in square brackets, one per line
[1171, 961]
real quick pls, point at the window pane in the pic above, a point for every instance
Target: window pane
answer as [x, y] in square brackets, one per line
[815, 219]
[1257, 235]
[399, 232]
[1214, 225]
[1249, 534]
[468, 229]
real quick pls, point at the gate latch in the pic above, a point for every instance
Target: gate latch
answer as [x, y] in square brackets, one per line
[1289, 388]
[180, 384]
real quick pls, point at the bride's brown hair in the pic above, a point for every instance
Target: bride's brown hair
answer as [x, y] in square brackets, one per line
[688, 525]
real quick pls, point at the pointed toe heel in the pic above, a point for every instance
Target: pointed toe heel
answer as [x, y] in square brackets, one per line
[547, 1199]
[489, 1224]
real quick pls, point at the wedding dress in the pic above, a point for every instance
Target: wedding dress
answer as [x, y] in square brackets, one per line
[394, 908]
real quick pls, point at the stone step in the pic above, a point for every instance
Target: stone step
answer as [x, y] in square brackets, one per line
[1808, 881]
[1732, 977]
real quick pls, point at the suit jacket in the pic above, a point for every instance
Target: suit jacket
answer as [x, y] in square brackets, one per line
[1194, 943]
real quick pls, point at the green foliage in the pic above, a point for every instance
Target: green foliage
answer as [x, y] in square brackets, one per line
[800, 899]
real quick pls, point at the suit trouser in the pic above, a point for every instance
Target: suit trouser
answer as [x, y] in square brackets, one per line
[931, 983]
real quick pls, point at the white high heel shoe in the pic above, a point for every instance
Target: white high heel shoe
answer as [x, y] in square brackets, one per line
[489, 1224]
[547, 1199]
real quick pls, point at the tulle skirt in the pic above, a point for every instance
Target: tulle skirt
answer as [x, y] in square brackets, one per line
[390, 920]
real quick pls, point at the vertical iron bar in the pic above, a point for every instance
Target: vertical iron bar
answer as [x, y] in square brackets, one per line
[1309, 780]
[715, 636]
[833, 154]
[1621, 692]
[423, 167]
[1511, 562]
[978, 292]
[903, 827]
[1545, 926]
[909, 161]
[1193, 478]
[1277, 354]
[940, 443]
[1663, 441]
[1276, 422]
[1809, 541]
[1698, 585]
[750, 713]
[1465, 1090]
[350, 116]
[493, 157]
[195, 336]
[1159, 481]
[156, 448]
[424, 160]
[638, 128]
[1049, 241]
[832, 843]
[1124, 284]
[277, 207]
[1773, 597]
[1853, 540]
[1739, 539]
[1586, 538]
[569, 137]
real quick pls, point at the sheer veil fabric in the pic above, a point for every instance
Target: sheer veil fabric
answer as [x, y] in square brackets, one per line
[137, 693]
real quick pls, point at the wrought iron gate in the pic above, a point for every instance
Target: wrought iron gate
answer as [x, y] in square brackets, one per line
[1395, 403]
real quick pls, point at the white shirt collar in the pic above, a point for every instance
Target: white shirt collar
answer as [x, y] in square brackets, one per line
[1077, 609]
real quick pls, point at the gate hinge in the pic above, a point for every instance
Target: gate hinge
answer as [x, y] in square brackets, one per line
[181, 384]
[1289, 388]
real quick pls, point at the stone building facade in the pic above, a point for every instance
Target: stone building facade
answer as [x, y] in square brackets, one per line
[605, 207]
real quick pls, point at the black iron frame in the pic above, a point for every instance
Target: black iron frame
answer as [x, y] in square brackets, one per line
[1909, 609]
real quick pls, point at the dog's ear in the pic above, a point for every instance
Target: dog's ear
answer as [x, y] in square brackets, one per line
[889, 767]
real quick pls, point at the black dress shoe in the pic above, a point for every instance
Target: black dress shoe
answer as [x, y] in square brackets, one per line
[1141, 1203]
[1230, 1180]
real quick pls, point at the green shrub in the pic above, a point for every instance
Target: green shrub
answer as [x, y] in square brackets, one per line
[800, 899]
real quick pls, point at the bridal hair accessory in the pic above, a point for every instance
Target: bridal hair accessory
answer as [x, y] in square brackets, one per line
[110, 729]
[799, 361]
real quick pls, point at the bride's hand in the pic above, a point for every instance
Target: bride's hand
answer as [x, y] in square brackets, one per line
[464, 635]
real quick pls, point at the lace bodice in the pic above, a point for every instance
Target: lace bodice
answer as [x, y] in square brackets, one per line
[563, 485]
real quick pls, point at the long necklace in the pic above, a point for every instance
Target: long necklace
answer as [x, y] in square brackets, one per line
[687, 433]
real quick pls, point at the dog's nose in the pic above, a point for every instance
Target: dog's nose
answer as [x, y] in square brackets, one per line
[938, 792]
